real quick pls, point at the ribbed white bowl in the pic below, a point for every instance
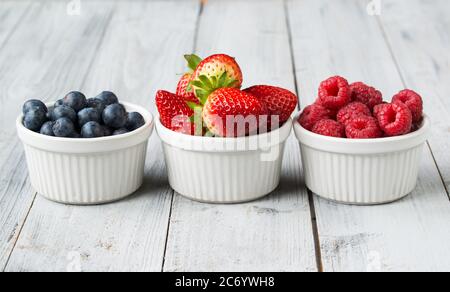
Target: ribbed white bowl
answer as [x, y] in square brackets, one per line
[224, 170]
[361, 172]
[87, 171]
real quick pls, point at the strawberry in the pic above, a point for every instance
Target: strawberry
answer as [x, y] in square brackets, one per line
[230, 112]
[184, 91]
[184, 88]
[174, 112]
[280, 102]
[214, 72]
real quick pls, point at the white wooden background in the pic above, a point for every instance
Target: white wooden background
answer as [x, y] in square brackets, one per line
[135, 47]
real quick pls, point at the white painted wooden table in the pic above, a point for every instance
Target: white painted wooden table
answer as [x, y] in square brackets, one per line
[136, 47]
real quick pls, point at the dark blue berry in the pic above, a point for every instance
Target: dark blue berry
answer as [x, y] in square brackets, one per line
[107, 131]
[33, 103]
[134, 121]
[75, 100]
[64, 127]
[47, 128]
[97, 104]
[34, 119]
[59, 102]
[120, 131]
[115, 116]
[64, 111]
[88, 115]
[75, 135]
[92, 130]
[108, 97]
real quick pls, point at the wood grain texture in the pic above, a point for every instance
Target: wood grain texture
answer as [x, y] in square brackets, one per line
[134, 59]
[420, 40]
[339, 37]
[41, 59]
[271, 234]
[11, 14]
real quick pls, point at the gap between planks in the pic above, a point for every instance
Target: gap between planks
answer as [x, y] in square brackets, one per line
[403, 80]
[172, 199]
[108, 21]
[315, 228]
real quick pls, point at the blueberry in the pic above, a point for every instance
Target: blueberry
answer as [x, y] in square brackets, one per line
[115, 116]
[97, 104]
[108, 97]
[47, 128]
[88, 115]
[134, 121]
[63, 127]
[75, 135]
[34, 119]
[33, 103]
[92, 130]
[59, 102]
[64, 111]
[75, 100]
[107, 131]
[120, 131]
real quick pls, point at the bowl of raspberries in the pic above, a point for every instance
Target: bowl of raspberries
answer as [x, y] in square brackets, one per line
[85, 150]
[357, 148]
[223, 144]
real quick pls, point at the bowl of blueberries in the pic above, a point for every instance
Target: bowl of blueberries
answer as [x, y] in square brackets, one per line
[85, 150]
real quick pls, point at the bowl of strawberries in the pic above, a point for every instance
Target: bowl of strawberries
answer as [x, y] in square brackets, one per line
[223, 144]
[357, 148]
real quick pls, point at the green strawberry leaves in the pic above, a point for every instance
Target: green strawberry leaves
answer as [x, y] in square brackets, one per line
[193, 61]
[205, 85]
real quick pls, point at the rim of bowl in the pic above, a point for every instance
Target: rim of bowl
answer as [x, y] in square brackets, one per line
[378, 145]
[224, 144]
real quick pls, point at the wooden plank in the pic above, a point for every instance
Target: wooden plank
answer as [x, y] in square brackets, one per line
[11, 14]
[136, 57]
[420, 41]
[339, 37]
[271, 234]
[40, 71]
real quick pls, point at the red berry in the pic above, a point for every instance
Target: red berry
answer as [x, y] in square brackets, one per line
[413, 101]
[334, 93]
[329, 128]
[378, 107]
[313, 114]
[280, 102]
[353, 110]
[214, 72]
[365, 94]
[395, 119]
[363, 127]
[230, 112]
[174, 112]
[182, 89]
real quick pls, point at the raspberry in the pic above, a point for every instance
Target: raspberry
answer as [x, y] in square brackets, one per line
[353, 110]
[363, 127]
[365, 94]
[413, 101]
[378, 107]
[395, 119]
[334, 93]
[329, 128]
[313, 114]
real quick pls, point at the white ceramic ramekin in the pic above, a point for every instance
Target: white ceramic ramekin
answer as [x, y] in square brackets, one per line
[87, 171]
[224, 170]
[361, 172]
